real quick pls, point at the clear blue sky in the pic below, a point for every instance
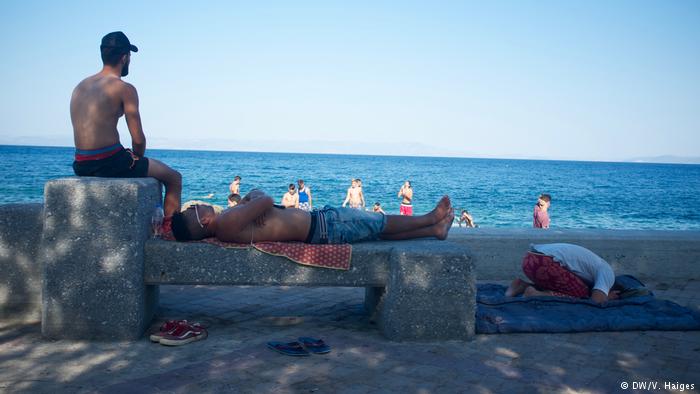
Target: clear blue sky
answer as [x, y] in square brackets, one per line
[592, 80]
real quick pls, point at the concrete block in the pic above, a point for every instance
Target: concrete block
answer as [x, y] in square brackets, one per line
[203, 264]
[92, 251]
[20, 281]
[373, 296]
[431, 294]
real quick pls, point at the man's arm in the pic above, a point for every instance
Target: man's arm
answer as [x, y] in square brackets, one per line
[133, 120]
[604, 280]
[308, 193]
[239, 217]
[362, 198]
[600, 297]
[251, 195]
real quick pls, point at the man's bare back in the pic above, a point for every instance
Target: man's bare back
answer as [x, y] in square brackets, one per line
[96, 105]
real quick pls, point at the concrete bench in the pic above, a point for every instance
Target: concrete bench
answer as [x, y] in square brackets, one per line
[101, 271]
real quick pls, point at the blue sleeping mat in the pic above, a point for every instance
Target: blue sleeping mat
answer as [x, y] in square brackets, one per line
[497, 313]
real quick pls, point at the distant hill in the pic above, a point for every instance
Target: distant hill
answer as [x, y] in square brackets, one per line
[666, 159]
[329, 147]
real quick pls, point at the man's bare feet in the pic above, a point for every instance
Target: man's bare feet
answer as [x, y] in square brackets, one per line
[441, 210]
[517, 287]
[532, 292]
[442, 228]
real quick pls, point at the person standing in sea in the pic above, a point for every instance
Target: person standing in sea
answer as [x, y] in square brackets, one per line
[96, 105]
[354, 197]
[406, 196]
[291, 198]
[467, 219]
[304, 192]
[540, 217]
[235, 186]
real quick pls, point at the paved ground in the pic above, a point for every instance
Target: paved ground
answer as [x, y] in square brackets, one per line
[241, 319]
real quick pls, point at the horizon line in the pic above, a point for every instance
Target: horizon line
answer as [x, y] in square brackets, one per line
[695, 161]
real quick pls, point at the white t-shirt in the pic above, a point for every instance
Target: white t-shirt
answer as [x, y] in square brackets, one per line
[587, 265]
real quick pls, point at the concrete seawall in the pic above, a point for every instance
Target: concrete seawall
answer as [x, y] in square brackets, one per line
[646, 254]
[20, 274]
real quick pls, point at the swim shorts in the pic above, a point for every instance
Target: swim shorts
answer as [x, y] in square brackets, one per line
[547, 274]
[305, 206]
[344, 225]
[110, 162]
[406, 210]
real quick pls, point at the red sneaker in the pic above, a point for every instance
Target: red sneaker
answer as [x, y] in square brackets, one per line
[183, 334]
[166, 328]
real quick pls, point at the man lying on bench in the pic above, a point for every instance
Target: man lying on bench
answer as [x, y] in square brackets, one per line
[257, 219]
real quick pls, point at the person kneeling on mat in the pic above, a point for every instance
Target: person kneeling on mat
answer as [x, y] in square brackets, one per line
[564, 270]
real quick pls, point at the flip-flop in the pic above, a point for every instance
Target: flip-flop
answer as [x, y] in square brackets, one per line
[315, 346]
[288, 348]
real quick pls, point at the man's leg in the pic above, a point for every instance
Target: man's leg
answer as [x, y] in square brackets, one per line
[173, 185]
[438, 230]
[554, 279]
[532, 292]
[401, 224]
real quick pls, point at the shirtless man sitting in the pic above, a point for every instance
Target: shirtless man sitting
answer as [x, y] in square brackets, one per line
[257, 219]
[96, 105]
[355, 197]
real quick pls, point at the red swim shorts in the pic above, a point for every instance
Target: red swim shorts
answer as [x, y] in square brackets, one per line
[406, 210]
[547, 274]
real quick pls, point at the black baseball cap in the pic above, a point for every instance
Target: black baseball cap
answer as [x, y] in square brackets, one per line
[117, 39]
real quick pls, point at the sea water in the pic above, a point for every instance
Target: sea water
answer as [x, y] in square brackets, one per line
[498, 193]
